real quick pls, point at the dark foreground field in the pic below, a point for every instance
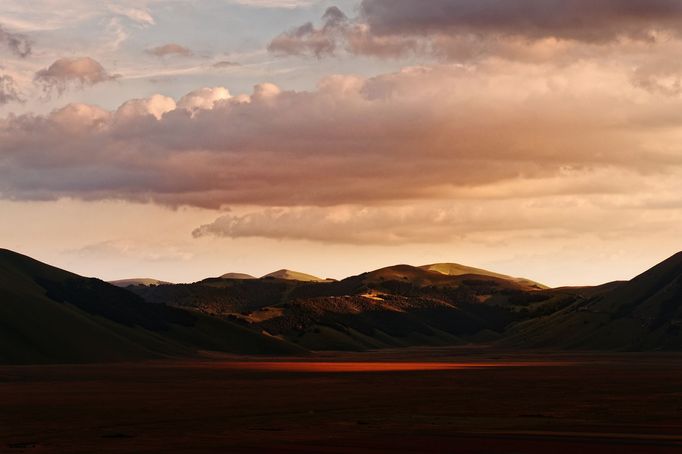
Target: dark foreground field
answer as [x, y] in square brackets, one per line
[529, 404]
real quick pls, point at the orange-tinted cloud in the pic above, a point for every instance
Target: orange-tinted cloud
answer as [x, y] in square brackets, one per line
[421, 133]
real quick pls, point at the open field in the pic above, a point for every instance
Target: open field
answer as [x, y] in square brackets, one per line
[418, 400]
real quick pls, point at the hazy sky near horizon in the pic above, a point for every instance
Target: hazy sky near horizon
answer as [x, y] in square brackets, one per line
[180, 139]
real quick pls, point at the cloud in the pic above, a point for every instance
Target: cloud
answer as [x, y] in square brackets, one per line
[386, 225]
[203, 98]
[169, 50]
[8, 90]
[140, 251]
[66, 72]
[140, 16]
[224, 64]
[288, 4]
[475, 29]
[307, 39]
[417, 134]
[17, 43]
[659, 75]
[439, 222]
[579, 20]
[155, 106]
[346, 224]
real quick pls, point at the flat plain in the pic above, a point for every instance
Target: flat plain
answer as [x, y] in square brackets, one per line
[417, 400]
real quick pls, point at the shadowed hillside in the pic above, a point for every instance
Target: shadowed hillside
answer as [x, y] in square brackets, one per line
[50, 315]
[642, 314]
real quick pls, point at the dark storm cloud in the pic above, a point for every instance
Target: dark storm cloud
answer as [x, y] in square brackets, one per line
[582, 20]
[470, 29]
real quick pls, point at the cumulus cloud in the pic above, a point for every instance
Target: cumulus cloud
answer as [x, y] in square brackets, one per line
[474, 29]
[170, 49]
[66, 72]
[417, 134]
[203, 98]
[8, 90]
[17, 43]
[155, 106]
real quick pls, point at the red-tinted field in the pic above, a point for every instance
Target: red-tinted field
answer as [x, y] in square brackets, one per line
[414, 401]
[340, 367]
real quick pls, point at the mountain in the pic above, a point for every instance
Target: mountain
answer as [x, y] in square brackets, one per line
[293, 276]
[642, 314]
[51, 315]
[137, 281]
[394, 306]
[238, 276]
[48, 315]
[455, 269]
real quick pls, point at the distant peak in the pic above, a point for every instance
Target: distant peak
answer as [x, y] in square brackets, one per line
[293, 276]
[456, 269]
[237, 276]
[144, 281]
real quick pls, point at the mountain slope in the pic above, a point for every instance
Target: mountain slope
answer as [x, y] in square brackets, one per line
[642, 314]
[50, 315]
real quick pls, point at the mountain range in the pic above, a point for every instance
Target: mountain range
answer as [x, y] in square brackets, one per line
[50, 315]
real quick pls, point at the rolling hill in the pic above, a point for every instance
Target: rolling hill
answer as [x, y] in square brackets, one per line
[137, 281]
[48, 315]
[289, 275]
[455, 269]
[238, 276]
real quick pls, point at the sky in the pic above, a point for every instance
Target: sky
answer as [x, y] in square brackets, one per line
[182, 139]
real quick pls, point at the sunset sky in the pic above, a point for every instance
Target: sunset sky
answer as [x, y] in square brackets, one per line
[181, 139]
